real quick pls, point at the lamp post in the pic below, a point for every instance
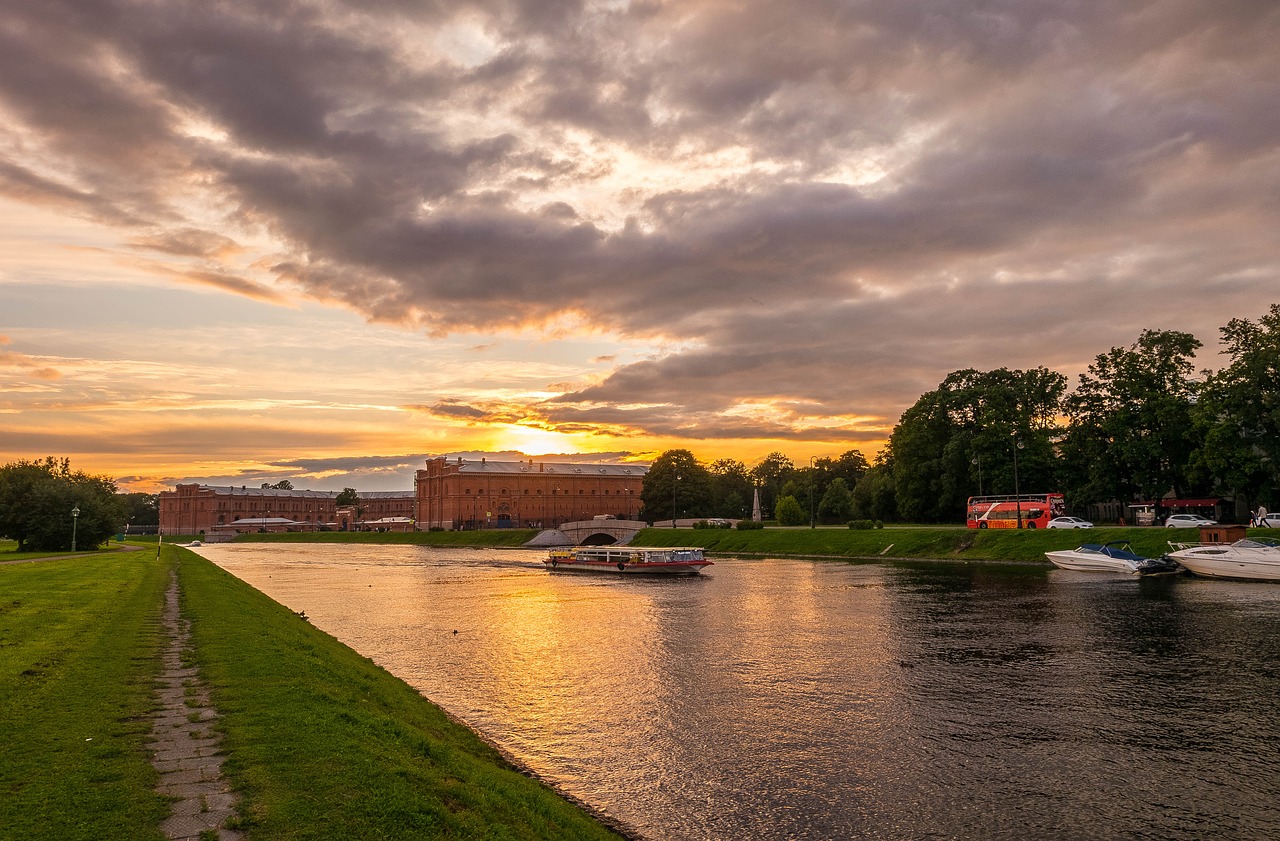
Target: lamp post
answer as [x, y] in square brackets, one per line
[813, 480]
[674, 485]
[1017, 493]
[75, 518]
[978, 461]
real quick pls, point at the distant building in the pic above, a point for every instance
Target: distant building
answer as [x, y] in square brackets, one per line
[201, 509]
[459, 494]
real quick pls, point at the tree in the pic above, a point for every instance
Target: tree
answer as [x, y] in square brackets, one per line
[770, 474]
[348, 496]
[837, 502]
[873, 497]
[849, 465]
[676, 477]
[282, 485]
[1239, 412]
[731, 486]
[788, 512]
[37, 499]
[975, 416]
[141, 509]
[1131, 432]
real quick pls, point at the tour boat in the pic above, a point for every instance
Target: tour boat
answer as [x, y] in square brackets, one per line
[627, 559]
[1251, 558]
[1110, 557]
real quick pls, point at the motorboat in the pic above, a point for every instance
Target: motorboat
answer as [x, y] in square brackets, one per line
[627, 560]
[1253, 558]
[1116, 556]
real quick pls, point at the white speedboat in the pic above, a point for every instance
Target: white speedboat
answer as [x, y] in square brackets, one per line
[1257, 559]
[627, 560]
[1109, 557]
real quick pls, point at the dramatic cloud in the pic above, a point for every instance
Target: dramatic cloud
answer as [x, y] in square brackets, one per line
[809, 211]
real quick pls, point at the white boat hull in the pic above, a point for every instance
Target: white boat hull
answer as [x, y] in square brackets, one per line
[1090, 562]
[1231, 561]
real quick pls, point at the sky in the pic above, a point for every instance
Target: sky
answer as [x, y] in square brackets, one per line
[323, 240]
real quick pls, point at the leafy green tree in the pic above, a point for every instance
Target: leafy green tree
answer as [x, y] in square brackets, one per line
[770, 474]
[731, 484]
[837, 502]
[975, 416]
[849, 465]
[348, 496]
[1238, 412]
[788, 512]
[141, 509]
[37, 499]
[1131, 432]
[873, 498]
[677, 477]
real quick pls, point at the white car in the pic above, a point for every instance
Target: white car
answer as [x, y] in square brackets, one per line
[1268, 521]
[1068, 523]
[1188, 521]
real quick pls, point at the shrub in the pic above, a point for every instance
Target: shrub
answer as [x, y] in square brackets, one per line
[749, 525]
[862, 524]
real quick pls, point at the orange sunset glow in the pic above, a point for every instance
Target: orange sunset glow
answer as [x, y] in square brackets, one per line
[323, 243]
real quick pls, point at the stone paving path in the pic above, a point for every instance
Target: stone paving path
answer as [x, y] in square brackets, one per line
[185, 750]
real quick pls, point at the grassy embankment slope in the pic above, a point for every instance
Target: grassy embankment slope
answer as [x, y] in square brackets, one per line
[322, 743]
[911, 542]
[948, 544]
[325, 744]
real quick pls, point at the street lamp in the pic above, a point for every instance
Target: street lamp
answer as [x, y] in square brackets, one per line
[813, 480]
[75, 517]
[1017, 494]
[674, 485]
[978, 461]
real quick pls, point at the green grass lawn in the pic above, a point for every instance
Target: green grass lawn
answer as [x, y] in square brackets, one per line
[951, 544]
[79, 646]
[324, 744]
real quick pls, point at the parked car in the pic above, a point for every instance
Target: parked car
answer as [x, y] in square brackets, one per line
[1188, 521]
[1068, 523]
[1268, 521]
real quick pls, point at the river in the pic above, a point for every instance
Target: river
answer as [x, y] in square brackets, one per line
[794, 699]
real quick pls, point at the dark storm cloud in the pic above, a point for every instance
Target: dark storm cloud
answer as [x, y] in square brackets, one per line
[878, 192]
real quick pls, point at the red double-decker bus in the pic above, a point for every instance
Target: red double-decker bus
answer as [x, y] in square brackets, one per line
[1002, 512]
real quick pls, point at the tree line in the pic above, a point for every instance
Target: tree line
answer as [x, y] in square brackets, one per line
[1140, 424]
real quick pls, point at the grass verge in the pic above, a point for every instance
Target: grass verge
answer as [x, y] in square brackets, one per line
[324, 744]
[79, 651]
[1027, 545]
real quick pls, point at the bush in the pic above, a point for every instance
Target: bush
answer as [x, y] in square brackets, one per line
[863, 524]
[749, 525]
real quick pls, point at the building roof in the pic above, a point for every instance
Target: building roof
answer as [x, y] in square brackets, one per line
[276, 493]
[533, 468]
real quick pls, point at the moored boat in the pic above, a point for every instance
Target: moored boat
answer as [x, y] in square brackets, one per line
[627, 560]
[1255, 559]
[1116, 556]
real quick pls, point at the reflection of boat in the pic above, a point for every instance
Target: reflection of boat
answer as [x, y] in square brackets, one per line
[1253, 558]
[1110, 557]
[627, 559]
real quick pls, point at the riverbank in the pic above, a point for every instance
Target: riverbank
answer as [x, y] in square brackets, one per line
[320, 742]
[913, 543]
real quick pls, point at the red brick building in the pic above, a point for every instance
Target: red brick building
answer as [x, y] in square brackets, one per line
[199, 509]
[462, 494]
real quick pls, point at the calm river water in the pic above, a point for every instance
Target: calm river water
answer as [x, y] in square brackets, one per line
[789, 699]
